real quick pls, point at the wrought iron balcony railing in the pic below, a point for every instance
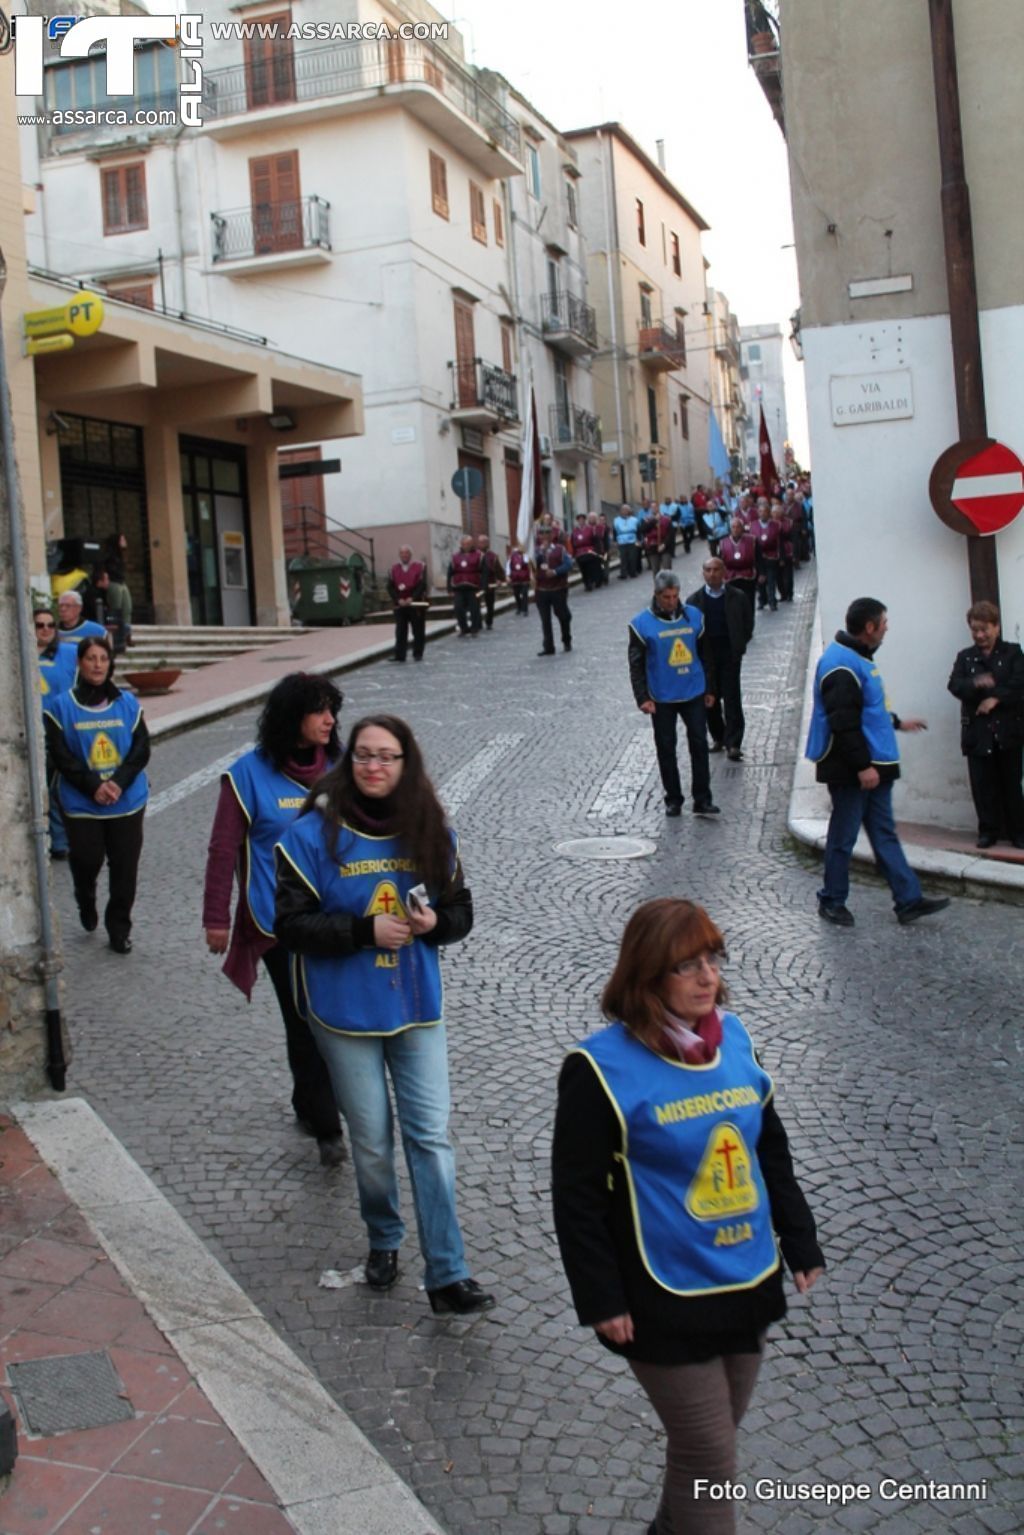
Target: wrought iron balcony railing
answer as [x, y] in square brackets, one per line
[268, 228]
[661, 346]
[482, 387]
[566, 312]
[572, 427]
[341, 70]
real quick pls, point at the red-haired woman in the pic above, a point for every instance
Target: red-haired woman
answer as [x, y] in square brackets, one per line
[673, 1192]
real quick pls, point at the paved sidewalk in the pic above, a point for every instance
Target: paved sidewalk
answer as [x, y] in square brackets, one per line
[221, 1428]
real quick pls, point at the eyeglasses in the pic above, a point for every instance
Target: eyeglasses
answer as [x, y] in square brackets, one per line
[45, 623]
[384, 758]
[693, 966]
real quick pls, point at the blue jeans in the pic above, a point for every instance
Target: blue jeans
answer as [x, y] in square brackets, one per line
[852, 808]
[417, 1062]
[58, 832]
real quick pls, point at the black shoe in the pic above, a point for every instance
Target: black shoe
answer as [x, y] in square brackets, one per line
[706, 808]
[734, 754]
[985, 842]
[462, 1297]
[381, 1268]
[59, 855]
[716, 746]
[399, 659]
[545, 653]
[88, 915]
[839, 916]
[121, 945]
[417, 658]
[673, 808]
[332, 1150]
[567, 644]
[925, 907]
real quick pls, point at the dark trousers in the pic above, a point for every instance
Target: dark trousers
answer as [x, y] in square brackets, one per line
[521, 594]
[118, 839]
[767, 595]
[785, 580]
[556, 602]
[590, 570]
[725, 717]
[629, 561]
[700, 1407]
[689, 532]
[413, 618]
[312, 1094]
[694, 716]
[490, 592]
[602, 570]
[996, 791]
[466, 601]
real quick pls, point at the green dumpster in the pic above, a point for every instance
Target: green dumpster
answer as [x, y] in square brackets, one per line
[327, 592]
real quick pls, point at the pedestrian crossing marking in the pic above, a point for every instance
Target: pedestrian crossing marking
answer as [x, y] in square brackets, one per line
[680, 654]
[723, 1183]
[104, 755]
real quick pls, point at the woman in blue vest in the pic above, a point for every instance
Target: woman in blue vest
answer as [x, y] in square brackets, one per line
[368, 978]
[260, 795]
[673, 1193]
[58, 665]
[98, 743]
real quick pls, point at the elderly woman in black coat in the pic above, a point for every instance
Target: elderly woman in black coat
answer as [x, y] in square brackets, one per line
[988, 679]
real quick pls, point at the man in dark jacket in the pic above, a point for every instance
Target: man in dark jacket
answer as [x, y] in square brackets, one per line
[728, 628]
[853, 741]
[988, 679]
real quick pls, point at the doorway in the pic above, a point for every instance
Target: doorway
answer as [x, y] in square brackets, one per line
[216, 506]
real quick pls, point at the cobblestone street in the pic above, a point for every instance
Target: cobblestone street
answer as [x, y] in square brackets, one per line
[895, 1051]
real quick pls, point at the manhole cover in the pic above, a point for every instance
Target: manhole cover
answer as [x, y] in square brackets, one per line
[73, 1391]
[607, 847]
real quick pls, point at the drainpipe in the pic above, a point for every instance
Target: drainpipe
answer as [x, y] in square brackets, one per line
[607, 172]
[56, 1066]
[961, 276]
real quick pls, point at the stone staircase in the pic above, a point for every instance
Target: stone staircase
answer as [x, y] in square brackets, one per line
[188, 647]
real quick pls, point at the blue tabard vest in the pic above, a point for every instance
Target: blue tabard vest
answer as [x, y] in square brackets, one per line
[87, 629]
[674, 674]
[374, 991]
[689, 1157]
[57, 672]
[875, 720]
[102, 737]
[270, 801]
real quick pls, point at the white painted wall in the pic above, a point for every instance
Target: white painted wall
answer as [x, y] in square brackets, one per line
[878, 536]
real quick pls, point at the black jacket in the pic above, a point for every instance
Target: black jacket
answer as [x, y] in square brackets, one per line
[596, 1235]
[72, 769]
[638, 658]
[981, 734]
[843, 703]
[739, 616]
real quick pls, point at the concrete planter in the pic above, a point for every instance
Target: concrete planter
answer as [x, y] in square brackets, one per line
[160, 680]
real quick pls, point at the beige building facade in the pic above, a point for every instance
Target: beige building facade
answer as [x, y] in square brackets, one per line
[647, 286]
[860, 120]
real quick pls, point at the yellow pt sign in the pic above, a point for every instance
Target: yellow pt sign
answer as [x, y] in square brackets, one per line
[81, 316]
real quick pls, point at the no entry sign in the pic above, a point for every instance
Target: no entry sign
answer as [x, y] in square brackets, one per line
[977, 487]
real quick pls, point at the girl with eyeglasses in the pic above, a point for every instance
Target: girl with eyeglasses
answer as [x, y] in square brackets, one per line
[369, 887]
[674, 1192]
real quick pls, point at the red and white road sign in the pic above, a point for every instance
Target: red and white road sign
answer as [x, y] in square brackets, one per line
[989, 488]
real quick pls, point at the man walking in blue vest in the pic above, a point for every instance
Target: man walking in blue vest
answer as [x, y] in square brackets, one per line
[667, 676]
[852, 740]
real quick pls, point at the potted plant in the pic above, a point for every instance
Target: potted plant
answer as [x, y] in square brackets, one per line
[159, 679]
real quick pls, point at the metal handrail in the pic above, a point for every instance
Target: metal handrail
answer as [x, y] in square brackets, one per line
[267, 228]
[476, 383]
[325, 527]
[573, 426]
[342, 69]
[564, 311]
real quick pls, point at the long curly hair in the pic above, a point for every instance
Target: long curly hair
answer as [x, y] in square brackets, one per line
[418, 820]
[295, 696]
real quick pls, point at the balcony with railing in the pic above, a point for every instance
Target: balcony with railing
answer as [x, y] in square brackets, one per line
[568, 324]
[575, 433]
[482, 394]
[660, 347]
[345, 79]
[268, 236]
[764, 52]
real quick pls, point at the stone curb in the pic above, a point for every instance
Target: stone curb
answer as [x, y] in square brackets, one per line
[807, 821]
[326, 1474]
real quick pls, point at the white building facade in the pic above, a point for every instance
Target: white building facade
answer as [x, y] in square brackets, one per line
[763, 388]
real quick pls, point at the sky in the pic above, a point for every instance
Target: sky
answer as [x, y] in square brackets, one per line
[674, 70]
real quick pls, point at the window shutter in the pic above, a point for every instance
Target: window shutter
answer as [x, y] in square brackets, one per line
[135, 196]
[111, 201]
[477, 213]
[438, 185]
[276, 202]
[465, 360]
[499, 224]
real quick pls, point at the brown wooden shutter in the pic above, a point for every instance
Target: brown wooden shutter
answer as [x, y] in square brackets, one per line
[111, 201]
[477, 214]
[303, 520]
[124, 198]
[465, 355]
[499, 224]
[270, 64]
[438, 185]
[276, 202]
[135, 196]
